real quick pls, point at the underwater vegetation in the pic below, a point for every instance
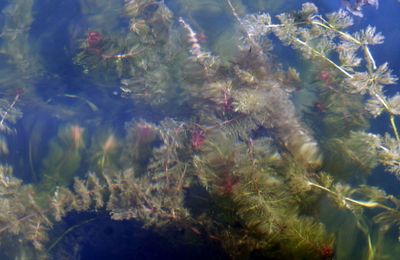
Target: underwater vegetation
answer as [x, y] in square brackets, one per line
[168, 133]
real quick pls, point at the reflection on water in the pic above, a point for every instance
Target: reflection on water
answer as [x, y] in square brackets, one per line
[196, 129]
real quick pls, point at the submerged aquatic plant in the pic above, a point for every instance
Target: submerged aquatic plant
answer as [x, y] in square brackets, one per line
[229, 156]
[317, 38]
[9, 114]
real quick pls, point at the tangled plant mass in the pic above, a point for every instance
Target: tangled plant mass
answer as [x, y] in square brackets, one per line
[225, 128]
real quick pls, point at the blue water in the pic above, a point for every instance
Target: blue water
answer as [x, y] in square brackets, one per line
[58, 97]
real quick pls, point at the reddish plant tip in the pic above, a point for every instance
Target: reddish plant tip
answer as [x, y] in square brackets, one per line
[227, 102]
[94, 39]
[228, 183]
[325, 76]
[198, 139]
[145, 132]
[327, 252]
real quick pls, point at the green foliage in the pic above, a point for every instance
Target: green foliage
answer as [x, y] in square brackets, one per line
[356, 160]
[307, 239]
[227, 129]
[140, 136]
[251, 178]
[140, 58]
[21, 217]
[9, 114]
[387, 149]
[334, 112]
[19, 62]
[155, 198]
[104, 151]
[240, 127]
[64, 158]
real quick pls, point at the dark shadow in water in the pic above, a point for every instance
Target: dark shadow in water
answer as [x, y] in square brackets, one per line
[103, 238]
[52, 31]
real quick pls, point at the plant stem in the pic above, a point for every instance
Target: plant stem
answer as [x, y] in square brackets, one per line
[365, 204]
[317, 53]
[393, 123]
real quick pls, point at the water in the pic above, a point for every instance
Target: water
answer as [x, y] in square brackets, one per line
[169, 130]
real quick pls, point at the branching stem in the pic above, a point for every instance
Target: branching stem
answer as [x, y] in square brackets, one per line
[317, 53]
[365, 204]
